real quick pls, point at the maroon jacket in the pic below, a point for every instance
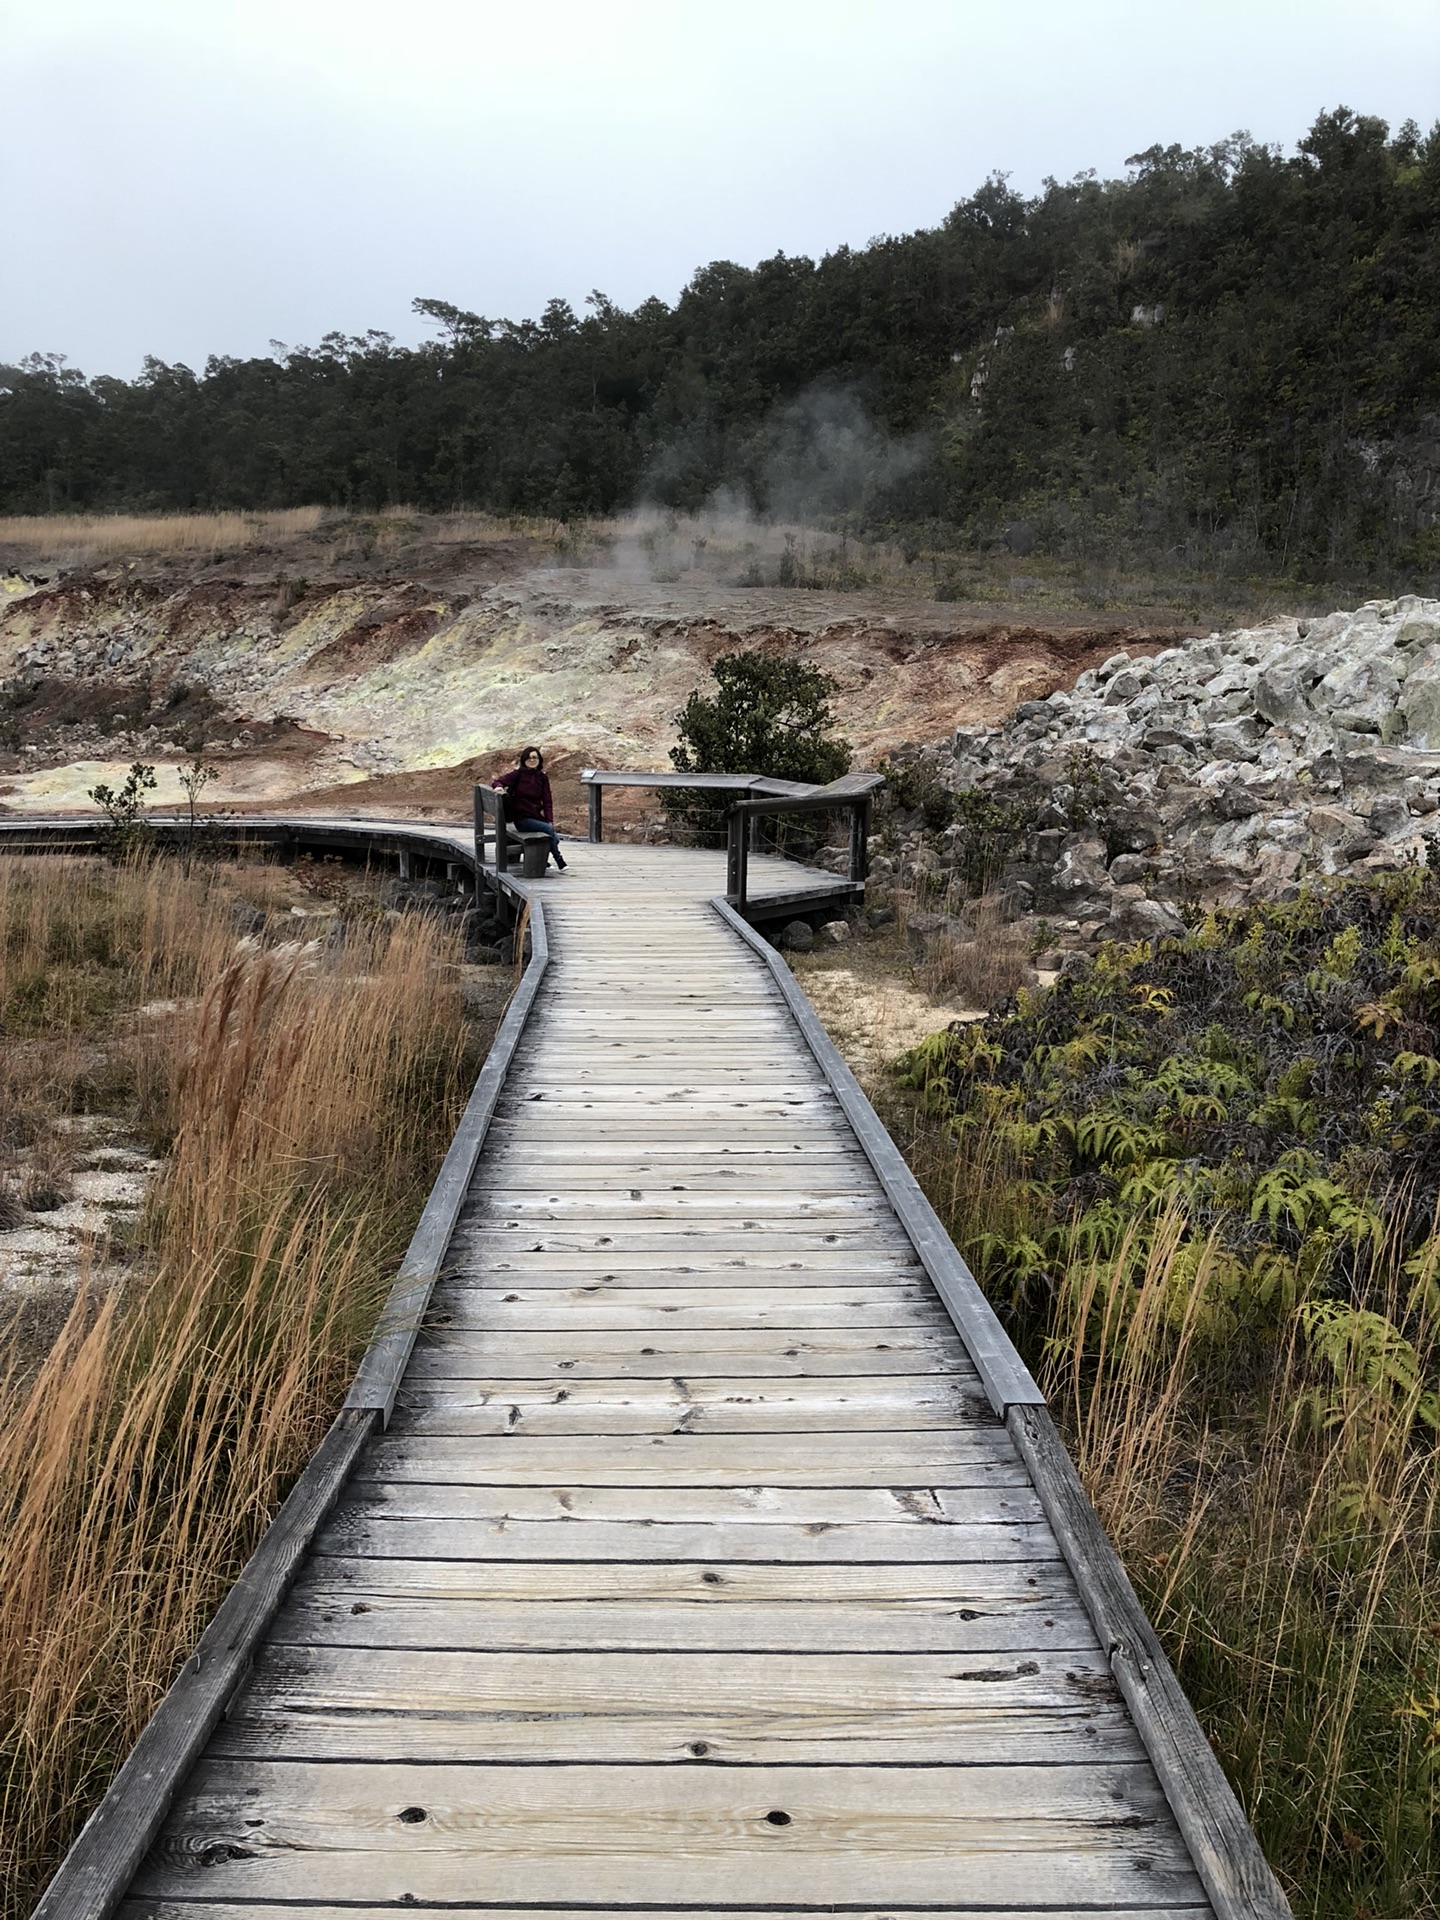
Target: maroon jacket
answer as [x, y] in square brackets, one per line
[528, 791]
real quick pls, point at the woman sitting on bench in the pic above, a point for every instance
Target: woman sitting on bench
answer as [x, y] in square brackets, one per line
[527, 792]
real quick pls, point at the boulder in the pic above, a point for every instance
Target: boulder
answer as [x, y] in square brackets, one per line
[1281, 690]
[1419, 698]
[1135, 916]
[1080, 869]
[796, 937]
[1236, 802]
[837, 932]
[925, 931]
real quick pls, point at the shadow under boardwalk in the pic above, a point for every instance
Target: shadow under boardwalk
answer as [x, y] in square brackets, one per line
[695, 1570]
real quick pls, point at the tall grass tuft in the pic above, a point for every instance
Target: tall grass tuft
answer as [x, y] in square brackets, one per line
[308, 1092]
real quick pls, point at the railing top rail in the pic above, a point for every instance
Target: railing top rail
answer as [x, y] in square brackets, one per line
[720, 782]
[818, 800]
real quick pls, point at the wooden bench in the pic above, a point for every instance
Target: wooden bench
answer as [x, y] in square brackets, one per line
[533, 848]
[534, 851]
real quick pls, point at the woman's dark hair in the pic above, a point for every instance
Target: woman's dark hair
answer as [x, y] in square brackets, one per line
[525, 753]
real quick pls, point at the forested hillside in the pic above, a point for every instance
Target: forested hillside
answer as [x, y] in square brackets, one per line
[1231, 356]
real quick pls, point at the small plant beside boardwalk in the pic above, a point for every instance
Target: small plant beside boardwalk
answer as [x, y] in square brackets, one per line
[1203, 1181]
[305, 1092]
[769, 716]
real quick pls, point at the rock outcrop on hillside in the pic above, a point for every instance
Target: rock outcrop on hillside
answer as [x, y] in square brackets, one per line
[1218, 772]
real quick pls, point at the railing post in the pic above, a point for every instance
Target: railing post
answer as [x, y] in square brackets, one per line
[595, 796]
[502, 834]
[479, 799]
[859, 838]
[736, 859]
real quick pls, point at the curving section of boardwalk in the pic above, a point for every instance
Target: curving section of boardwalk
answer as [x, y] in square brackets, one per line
[700, 1568]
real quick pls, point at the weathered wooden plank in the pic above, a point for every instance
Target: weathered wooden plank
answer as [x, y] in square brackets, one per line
[488, 1207]
[753, 1151]
[524, 1173]
[623, 1081]
[354, 1609]
[858, 1402]
[957, 1596]
[399, 1534]
[922, 1459]
[657, 1266]
[179, 1909]
[704, 1354]
[626, 1079]
[987, 1500]
[859, 1397]
[507, 1412]
[650, 1835]
[621, 1237]
[530, 1128]
[671, 1309]
[588, 1279]
[434, 1705]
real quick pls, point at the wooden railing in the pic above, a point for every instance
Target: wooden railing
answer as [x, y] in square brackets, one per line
[850, 794]
[596, 779]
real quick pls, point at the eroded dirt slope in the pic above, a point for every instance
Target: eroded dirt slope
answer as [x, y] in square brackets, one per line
[398, 681]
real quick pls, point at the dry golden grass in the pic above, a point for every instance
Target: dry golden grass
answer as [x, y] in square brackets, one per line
[79, 537]
[1289, 1560]
[82, 948]
[984, 961]
[309, 1092]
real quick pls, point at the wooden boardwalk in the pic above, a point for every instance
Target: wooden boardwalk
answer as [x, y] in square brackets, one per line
[696, 1571]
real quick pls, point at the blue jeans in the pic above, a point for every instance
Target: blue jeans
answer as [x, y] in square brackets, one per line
[543, 826]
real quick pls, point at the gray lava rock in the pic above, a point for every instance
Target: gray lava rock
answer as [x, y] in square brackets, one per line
[1080, 870]
[837, 932]
[880, 917]
[1226, 769]
[924, 931]
[1136, 917]
[1236, 803]
[796, 937]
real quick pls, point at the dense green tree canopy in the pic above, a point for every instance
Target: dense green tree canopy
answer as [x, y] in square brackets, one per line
[1229, 350]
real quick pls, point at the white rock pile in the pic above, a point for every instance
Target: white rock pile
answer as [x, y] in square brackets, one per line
[1226, 770]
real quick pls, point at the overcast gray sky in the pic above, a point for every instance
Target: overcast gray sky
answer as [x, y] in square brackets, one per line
[187, 177]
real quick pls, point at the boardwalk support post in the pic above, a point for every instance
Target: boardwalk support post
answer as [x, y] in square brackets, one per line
[737, 858]
[859, 840]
